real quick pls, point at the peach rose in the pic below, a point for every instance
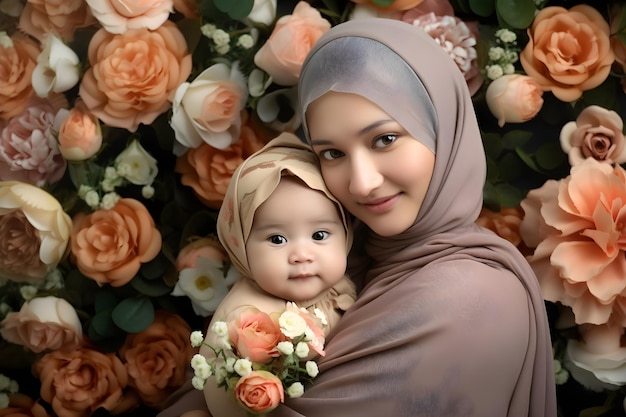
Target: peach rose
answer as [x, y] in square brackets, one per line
[291, 40]
[157, 358]
[79, 133]
[395, 5]
[575, 226]
[259, 392]
[568, 51]
[255, 335]
[133, 76]
[21, 405]
[504, 223]
[596, 133]
[109, 246]
[43, 323]
[208, 170]
[118, 16]
[62, 17]
[76, 383]
[34, 232]
[514, 98]
[18, 59]
[209, 108]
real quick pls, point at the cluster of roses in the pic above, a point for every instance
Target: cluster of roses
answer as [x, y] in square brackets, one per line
[261, 356]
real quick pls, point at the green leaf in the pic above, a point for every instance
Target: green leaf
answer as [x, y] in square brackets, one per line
[509, 195]
[105, 300]
[491, 199]
[237, 10]
[550, 156]
[85, 173]
[133, 314]
[510, 167]
[529, 161]
[484, 8]
[516, 139]
[493, 144]
[518, 14]
[150, 288]
[102, 324]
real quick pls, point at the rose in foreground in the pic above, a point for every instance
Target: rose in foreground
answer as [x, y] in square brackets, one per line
[78, 382]
[109, 246]
[576, 228]
[255, 335]
[43, 323]
[156, 358]
[34, 232]
[259, 391]
[514, 98]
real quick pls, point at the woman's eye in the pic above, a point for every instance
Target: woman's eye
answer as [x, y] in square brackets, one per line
[384, 140]
[277, 239]
[320, 235]
[330, 154]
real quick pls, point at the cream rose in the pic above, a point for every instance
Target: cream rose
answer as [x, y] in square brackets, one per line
[263, 12]
[136, 165]
[119, 16]
[596, 133]
[291, 40]
[79, 133]
[57, 67]
[35, 232]
[514, 98]
[208, 110]
[43, 323]
[124, 88]
[568, 51]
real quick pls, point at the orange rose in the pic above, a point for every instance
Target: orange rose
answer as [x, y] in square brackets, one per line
[78, 382]
[109, 246]
[255, 335]
[208, 170]
[80, 135]
[62, 17]
[504, 223]
[209, 248]
[157, 358]
[282, 55]
[395, 5]
[17, 64]
[43, 323]
[259, 392]
[125, 87]
[568, 51]
[21, 405]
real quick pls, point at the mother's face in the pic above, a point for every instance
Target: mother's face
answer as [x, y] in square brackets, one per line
[370, 163]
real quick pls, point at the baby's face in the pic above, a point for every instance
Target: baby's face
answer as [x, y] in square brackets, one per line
[297, 245]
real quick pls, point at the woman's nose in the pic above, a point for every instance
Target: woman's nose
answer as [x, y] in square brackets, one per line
[364, 176]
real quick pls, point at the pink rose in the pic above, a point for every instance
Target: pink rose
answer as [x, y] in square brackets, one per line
[79, 133]
[118, 16]
[124, 87]
[291, 40]
[259, 392]
[596, 133]
[62, 17]
[255, 335]
[456, 38]
[109, 246]
[43, 323]
[568, 51]
[17, 63]
[575, 226]
[514, 98]
[28, 148]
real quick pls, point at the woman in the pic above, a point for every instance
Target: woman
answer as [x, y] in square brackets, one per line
[450, 320]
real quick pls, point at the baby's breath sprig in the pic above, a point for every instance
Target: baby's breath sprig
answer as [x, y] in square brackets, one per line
[503, 56]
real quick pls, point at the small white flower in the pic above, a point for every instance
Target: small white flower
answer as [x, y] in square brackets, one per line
[312, 369]
[302, 350]
[320, 315]
[28, 292]
[203, 371]
[509, 69]
[13, 387]
[511, 56]
[220, 37]
[220, 374]
[243, 367]
[109, 200]
[208, 29]
[196, 338]
[506, 35]
[198, 383]
[230, 364]
[147, 191]
[4, 400]
[286, 348]
[110, 173]
[136, 165]
[292, 324]
[54, 280]
[295, 390]
[5, 40]
[92, 198]
[220, 328]
[494, 72]
[496, 53]
[561, 375]
[222, 49]
[309, 335]
[198, 360]
[4, 310]
[245, 41]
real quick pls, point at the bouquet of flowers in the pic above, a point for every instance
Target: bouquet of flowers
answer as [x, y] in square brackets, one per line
[260, 356]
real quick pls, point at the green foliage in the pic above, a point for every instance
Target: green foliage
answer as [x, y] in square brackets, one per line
[237, 10]
[517, 14]
[133, 314]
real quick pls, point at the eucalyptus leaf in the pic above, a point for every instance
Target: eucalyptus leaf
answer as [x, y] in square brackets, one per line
[105, 301]
[102, 323]
[490, 197]
[516, 139]
[510, 167]
[154, 269]
[492, 143]
[150, 288]
[508, 195]
[518, 14]
[529, 161]
[493, 171]
[550, 155]
[484, 8]
[133, 314]
[237, 10]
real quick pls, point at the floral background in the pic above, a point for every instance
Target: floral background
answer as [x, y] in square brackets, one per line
[122, 121]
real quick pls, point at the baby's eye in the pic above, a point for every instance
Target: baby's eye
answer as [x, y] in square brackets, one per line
[330, 154]
[277, 239]
[384, 140]
[320, 235]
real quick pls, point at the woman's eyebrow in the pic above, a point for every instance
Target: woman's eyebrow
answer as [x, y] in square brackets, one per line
[363, 131]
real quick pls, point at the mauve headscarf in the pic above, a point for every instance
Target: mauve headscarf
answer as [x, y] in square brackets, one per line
[451, 321]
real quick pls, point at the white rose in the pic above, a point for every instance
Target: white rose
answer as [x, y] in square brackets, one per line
[57, 68]
[292, 324]
[136, 165]
[263, 11]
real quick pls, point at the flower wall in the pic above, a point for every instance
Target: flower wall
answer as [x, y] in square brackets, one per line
[121, 123]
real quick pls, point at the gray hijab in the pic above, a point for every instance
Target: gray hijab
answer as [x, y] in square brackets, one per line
[451, 321]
